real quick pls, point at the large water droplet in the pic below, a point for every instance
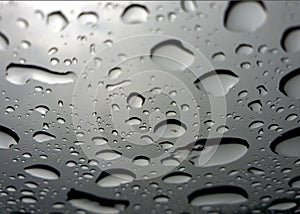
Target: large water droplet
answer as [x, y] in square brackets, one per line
[135, 14]
[43, 171]
[115, 177]
[282, 205]
[245, 16]
[172, 55]
[95, 204]
[135, 100]
[170, 128]
[290, 84]
[7, 138]
[218, 195]
[42, 136]
[188, 5]
[217, 83]
[291, 40]
[177, 178]
[57, 21]
[4, 42]
[21, 74]
[288, 144]
[220, 151]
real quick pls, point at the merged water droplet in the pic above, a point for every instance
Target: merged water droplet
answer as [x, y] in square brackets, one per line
[290, 41]
[170, 128]
[218, 195]
[7, 138]
[245, 16]
[43, 171]
[289, 84]
[172, 55]
[20, 74]
[135, 14]
[217, 83]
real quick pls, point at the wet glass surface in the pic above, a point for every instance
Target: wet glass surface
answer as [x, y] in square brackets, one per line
[150, 107]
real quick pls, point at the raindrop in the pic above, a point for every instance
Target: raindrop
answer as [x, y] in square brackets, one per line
[114, 73]
[86, 18]
[141, 161]
[282, 205]
[4, 42]
[135, 100]
[108, 155]
[188, 5]
[99, 141]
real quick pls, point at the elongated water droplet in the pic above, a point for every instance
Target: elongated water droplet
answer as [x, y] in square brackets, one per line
[4, 42]
[43, 171]
[170, 128]
[115, 177]
[7, 138]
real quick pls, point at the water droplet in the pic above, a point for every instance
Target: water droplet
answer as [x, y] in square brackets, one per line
[291, 40]
[114, 73]
[188, 5]
[57, 21]
[108, 155]
[141, 161]
[220, 151]
[21, 74]
[177, 178]
[135, 100]
[115, 177]
[289, 84]
[217, 83]
[86, 18]
[7, 138]
[170, 128]
[218, 195]
[245, 16]
[99, 141]
[133, 121]
[244, 49]
[4, 42]
[288, 144]
[43, 171]
[42, 109]
[42, 136]
[282, 205]
[95, 204]
[135, 14]
[172, 55]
